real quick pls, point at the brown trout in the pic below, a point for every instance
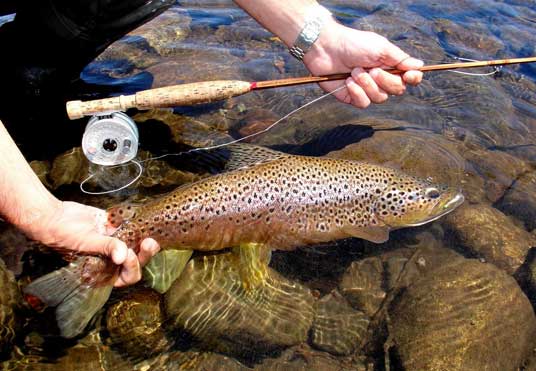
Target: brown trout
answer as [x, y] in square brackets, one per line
[272, 201]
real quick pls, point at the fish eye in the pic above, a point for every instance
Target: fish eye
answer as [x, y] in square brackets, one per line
[432, 193]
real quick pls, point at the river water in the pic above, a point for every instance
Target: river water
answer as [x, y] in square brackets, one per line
[456, 294]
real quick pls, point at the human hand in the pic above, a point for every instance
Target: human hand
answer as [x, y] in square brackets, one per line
[79, 228]
[366, 55]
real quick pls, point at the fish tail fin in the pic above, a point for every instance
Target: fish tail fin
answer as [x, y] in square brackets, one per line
[78, 291]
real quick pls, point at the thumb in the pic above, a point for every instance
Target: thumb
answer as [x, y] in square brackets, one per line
[104, 245]
[393, 56]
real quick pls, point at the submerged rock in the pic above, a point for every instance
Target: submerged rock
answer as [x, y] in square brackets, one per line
[13, 245]
[210, 302]
[72, 167]
[488, 233]
[337, 327]
[10, 299]
[361, 284]
[465, 315]
[147, 44]
[520, 200]
[135, 324]
[41, 169]
[303, 358]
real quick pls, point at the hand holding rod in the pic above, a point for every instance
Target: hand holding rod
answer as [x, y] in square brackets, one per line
[211, 91]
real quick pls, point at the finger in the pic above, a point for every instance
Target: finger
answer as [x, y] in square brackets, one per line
[103, 245]
[341, 94]
[373, 91]
[412, 77]
[390, 83]
[357, 94]
[409, 64]
[148, 249]
[130, 271]
[392, 55]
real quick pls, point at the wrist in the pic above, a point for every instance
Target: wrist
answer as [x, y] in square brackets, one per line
[321, 51]
[313, 24]
[37, 221]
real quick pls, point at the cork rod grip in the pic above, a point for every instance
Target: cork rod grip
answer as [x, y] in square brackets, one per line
[178, 95]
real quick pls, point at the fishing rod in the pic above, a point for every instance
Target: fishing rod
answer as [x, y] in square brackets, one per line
[111, 137]
[211, 91]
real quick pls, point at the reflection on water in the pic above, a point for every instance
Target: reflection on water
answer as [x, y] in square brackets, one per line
[462, 281]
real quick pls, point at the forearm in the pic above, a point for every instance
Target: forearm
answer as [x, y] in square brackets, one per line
[24, 201]
[284, 18]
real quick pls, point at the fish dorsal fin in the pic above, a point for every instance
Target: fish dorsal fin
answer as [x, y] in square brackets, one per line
[247, 155]
[119, 213]
[376, 234]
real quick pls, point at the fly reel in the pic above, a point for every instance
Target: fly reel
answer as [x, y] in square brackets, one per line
[110, 139]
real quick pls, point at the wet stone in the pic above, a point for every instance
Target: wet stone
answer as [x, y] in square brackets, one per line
[190, 360]
[464, 315]
[520, 200]
[416, 153]
[337, 327]
[135, 324]
[146, 45]
[41, 169]
[361, 285]
[304, 358]
[69, 167]
[10, 299]
[488, 233]
[13, 245]
[210, 303]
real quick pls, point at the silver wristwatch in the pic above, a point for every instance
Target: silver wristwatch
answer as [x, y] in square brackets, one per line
[309, 33]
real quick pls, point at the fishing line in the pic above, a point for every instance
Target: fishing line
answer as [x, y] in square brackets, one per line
[216, 146]
[140, 172]
[250, 135]
[496, 69]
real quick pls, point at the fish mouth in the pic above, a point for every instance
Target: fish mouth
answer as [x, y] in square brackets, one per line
[442, 210]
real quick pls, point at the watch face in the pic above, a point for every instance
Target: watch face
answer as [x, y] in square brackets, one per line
[311, 31]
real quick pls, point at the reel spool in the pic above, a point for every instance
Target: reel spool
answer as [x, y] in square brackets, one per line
[110, 139]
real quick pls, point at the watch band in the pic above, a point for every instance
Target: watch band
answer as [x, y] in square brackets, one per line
[312, 27]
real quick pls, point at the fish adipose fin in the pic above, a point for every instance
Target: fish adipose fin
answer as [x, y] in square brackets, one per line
[253, 262]
[164, 268]
[77, 301]
[247, 155]
[379, 234]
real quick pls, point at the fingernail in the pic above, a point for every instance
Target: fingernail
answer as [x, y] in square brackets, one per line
[119, 254]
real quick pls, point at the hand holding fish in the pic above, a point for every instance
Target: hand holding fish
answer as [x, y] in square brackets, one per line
[78, 228]
[66, 226]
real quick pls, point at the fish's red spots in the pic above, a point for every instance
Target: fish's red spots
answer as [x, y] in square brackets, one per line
[34, 302]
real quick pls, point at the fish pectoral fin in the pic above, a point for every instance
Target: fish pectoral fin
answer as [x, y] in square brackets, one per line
[377, 234]
[164, 268]
[253, 262]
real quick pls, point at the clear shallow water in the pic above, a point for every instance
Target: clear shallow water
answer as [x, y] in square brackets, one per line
[477, 133]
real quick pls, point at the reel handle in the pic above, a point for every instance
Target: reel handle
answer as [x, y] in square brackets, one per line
[171, 96]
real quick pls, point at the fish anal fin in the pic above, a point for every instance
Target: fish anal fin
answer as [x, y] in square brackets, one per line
[119, 213]
[253, 260]
[376, 234]
[164, 268]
